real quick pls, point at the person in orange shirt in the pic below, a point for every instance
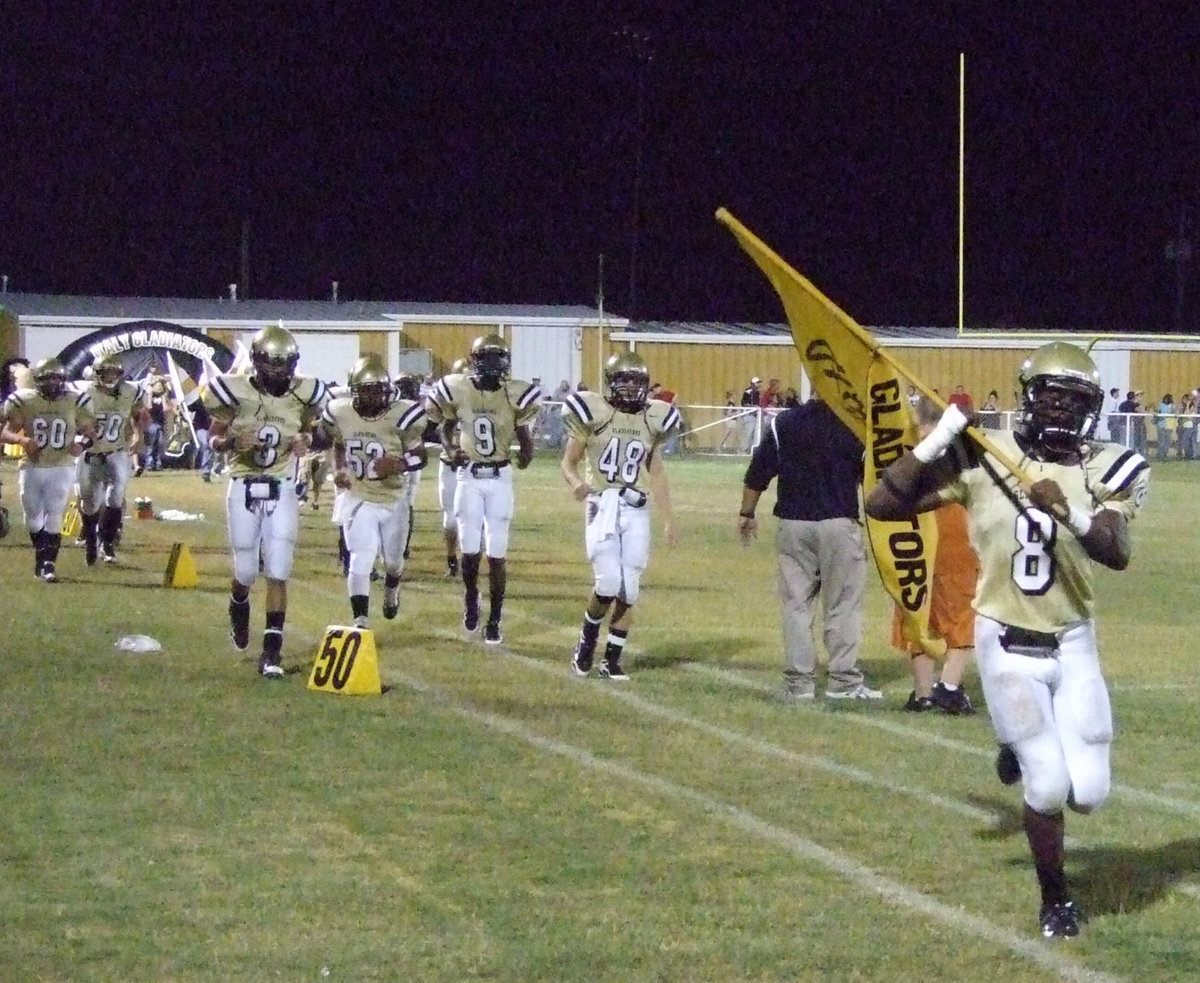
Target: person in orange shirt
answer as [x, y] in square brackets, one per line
[951, 618]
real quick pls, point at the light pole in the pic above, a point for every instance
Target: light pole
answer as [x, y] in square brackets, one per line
[1179, 252]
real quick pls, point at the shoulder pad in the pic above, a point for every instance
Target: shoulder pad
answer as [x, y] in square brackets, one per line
[588, 408]
[662, 417]
[523, 394]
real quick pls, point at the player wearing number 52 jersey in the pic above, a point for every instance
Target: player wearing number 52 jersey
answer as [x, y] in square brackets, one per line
[104, 469]
[1035, 637]
[377, 441]
[483, 410]
[261, 422]
[53, 425]
[617, 436]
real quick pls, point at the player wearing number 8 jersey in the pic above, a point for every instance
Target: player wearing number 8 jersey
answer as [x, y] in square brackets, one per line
[617, 437]
[377, 441]
[261, 422]
[1034, 632]
[481, 411]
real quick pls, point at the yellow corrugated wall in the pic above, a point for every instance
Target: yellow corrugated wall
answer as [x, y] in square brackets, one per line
[1160, 372]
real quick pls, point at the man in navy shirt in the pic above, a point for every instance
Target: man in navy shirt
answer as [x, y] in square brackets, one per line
[819, 464]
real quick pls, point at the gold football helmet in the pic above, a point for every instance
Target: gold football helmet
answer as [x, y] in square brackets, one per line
[49, 378]
[490, 361]
[627, 382]
[1061, 398]
[274, 354]
[370, 386]
[109, 371]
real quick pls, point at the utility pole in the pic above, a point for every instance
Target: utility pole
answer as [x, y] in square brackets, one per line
[640, 45]
[1179, 252]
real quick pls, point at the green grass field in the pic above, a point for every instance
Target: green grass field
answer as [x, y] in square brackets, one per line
[172, 817]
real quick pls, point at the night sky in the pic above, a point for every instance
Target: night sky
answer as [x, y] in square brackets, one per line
[489, 153]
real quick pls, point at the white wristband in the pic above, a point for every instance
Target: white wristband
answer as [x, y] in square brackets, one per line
[942, 436]
[1078, 521]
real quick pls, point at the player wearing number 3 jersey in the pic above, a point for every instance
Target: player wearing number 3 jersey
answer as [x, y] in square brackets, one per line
[480, 411]
[1038, 545]
[261, 422]
[617, 437]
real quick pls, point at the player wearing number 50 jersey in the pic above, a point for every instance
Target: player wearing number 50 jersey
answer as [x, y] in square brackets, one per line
[1038, 545]
[53, 425]
[482, 410]
[378, 445]
[617, 437]
[103, 470]
[261, 422]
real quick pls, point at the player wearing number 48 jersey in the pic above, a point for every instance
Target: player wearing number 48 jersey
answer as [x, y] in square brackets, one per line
[261, 422]
[480, 411]
[1035, 637]
[377, 441]
[617, 437]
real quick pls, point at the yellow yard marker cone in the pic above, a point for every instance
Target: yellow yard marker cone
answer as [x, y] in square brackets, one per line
[346, 662]
[72, 521]
[181, 570]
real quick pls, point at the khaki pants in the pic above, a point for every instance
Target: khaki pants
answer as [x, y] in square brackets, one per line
[825, 559]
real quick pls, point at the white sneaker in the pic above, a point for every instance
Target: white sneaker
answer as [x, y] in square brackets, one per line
[859, 692]
[362, 622]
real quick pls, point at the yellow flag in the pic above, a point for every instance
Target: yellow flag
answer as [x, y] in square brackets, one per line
[843, 364]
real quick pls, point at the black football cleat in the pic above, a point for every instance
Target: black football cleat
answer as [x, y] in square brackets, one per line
[918, 704]
[954, 702]
[1059, 921]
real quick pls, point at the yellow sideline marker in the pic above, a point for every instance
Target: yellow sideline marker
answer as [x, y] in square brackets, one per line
[346, 663]
[181, 569]
[72, 521]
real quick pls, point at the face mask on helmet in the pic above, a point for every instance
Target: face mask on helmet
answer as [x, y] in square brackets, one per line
[1061, 399]
[109, 372]
[407, 387]
[628, 382]
[50, 378]
[370, 389]
[489, 366]
[274, 355]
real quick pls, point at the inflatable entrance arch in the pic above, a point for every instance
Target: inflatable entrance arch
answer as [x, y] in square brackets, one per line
[142, 345]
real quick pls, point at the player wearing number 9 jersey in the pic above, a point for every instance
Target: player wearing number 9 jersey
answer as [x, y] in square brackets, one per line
[481, 411]
[616, 436]
[1038, 543]
[261, 422]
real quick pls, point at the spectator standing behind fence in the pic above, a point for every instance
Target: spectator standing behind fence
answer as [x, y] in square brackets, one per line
[770, 396]
[989, 412]
[961, 398]
[751, 400]
[1135, 423]
[729, 412]
[1164, 425]
[819, 540]
[1187, 428]
[158, 407]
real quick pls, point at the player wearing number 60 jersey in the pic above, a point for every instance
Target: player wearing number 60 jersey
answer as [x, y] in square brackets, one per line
[1038, 543]
[53, 425]
[482, 410]
[617, 436]
[261, 422]
[377, 441]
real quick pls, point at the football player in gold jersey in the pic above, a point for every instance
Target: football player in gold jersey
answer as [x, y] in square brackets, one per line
[262, 422]
[53, 425]
[617, 437]
[105, 467]
[1035, 634]
[377, 443]
[489, 409]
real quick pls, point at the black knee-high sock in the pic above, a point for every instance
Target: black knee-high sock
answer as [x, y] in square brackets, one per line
[497, 584]
[615, 645]
[1045, 834]
[53, 542]
[91, 524]
[470, 572]
[273, 633]
[39, 549]
[110, 524]
[589, 634]
[343, 551]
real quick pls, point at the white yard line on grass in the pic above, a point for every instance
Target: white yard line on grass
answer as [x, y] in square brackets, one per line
[867, 719]
[1035, 951]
